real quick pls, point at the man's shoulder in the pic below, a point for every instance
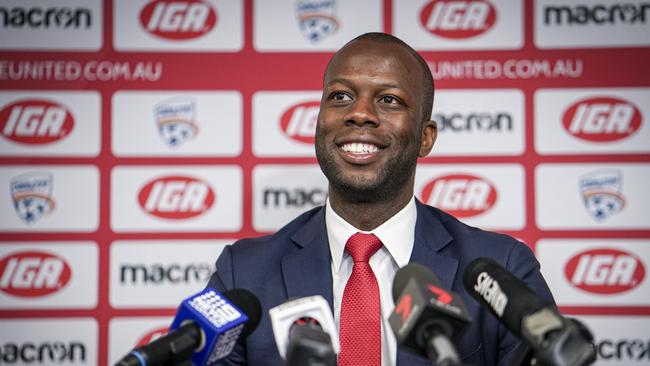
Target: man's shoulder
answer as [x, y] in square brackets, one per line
[252, 261]
[466, 238]
[282, 237]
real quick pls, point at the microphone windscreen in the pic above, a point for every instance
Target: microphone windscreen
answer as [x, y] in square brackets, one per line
[507, 297]
[247, 302]
[417, 271]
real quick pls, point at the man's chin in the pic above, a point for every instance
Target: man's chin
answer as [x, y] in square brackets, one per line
[357, 190]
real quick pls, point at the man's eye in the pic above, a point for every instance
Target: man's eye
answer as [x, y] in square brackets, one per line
[340, 96]
[388, 99]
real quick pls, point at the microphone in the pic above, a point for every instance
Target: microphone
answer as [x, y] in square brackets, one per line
[205, 330]
[555, 340]
[413, 271]
[427, 319]
[304, 332]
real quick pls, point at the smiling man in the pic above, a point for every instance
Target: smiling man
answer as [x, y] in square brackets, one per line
[374, 123]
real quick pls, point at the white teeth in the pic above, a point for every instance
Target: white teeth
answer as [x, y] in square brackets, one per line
[359, 148]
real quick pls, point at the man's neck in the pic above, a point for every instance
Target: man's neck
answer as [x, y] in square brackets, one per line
[367, 216]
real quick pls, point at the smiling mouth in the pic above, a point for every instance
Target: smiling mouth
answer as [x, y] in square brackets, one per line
[359, 148]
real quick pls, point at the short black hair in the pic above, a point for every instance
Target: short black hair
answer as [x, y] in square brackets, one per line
[427, 79]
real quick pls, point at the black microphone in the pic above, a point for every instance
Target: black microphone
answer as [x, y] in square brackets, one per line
[206, 328]
[428, 320]
[304, 332]
[553, 339]
[309, 345]
[413, 271]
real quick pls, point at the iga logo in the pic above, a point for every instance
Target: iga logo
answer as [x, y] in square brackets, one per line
[152, 336]
[33, 273]
[176, 197]
[178, 20]
[602, 193]
[176, 120]
[299, 121]
[458, 19]
[461, 195]
[35, 121]
[605, 271]
[317, 19]
[602, 119]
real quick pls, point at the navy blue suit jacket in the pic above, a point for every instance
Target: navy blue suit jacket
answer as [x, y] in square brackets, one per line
[295, 262]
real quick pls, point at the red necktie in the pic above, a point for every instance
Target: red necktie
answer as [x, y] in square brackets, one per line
[360, 311]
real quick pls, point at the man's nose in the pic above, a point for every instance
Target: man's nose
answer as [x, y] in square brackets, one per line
[362, 112]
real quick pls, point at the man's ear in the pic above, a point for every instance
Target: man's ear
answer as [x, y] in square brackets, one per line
[429, 135]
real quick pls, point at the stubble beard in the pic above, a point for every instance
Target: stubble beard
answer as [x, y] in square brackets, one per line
[383, 186]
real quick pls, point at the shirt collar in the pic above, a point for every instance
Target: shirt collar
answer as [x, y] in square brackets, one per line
[397, 234]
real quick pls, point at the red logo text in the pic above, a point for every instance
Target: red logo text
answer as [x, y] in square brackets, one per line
[602, 119]
[33, 273]
[35, 121]
[178, 20]
[458, 19]
[461, 195]
[299, 121]
[404, 307]
[605, 271]
[176, 197]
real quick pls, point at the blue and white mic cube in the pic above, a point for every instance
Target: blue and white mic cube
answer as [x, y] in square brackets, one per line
[220, 321]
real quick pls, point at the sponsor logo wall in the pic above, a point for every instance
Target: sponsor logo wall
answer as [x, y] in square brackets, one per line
[138, 138]
[620, 340]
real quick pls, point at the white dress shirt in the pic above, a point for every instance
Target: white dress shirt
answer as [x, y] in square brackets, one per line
[397, 234]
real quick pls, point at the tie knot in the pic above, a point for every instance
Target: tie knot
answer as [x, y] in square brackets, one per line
[362, 246]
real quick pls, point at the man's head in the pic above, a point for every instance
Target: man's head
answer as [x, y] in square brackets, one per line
[374, 119]
[427, 79]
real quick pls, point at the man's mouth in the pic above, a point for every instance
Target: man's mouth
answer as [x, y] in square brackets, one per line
[359, 148]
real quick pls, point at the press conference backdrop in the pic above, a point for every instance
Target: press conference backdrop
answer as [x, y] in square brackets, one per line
[137, 138]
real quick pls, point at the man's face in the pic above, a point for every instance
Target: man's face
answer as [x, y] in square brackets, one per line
[370, 130]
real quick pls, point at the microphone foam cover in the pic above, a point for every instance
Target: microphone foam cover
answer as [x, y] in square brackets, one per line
[249, 304]
[519, 299]
[417, 271]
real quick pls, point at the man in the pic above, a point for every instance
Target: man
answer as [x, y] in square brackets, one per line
[374, 123]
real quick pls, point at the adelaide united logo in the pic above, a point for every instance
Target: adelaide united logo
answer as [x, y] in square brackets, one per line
[32, 195]
[602, 193]
[317, 19]
[176, 120]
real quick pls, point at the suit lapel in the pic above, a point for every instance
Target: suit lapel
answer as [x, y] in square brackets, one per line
[430, 237]
[307, 270]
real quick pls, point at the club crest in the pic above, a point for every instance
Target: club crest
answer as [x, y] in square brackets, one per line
[316, 18]
[602, 193]
[32, 195]
[176, 120]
